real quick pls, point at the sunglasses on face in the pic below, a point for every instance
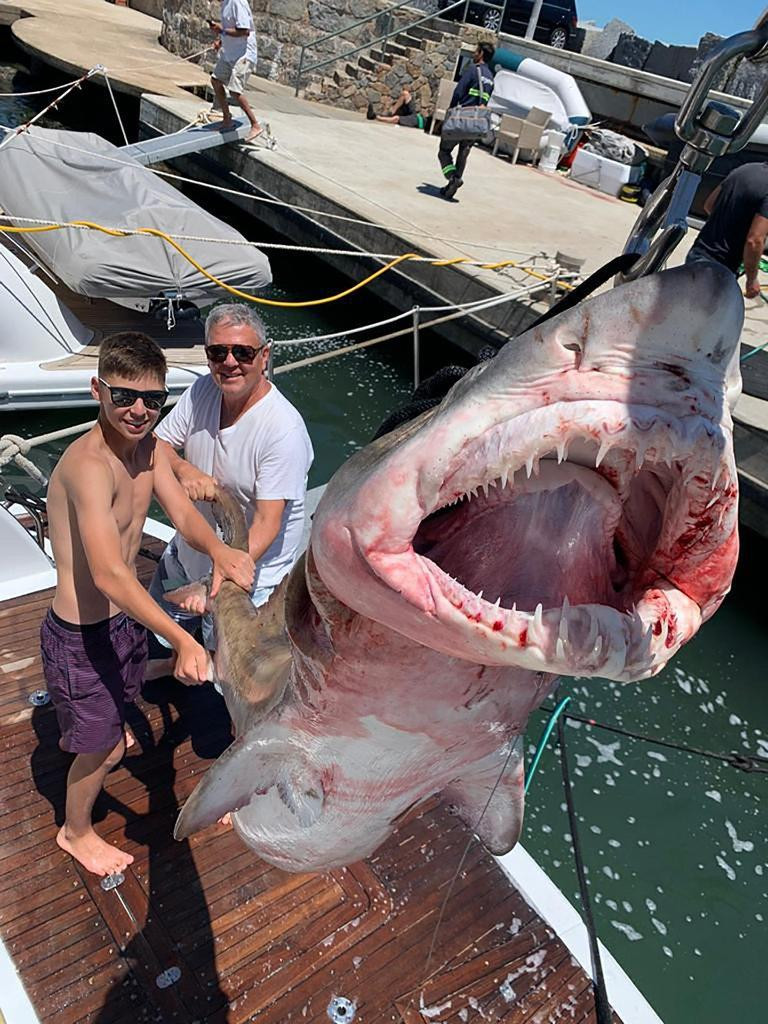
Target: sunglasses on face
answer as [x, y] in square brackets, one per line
[124, 398]
[242, 353]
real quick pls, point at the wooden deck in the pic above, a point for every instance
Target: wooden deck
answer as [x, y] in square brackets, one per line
[251, 942]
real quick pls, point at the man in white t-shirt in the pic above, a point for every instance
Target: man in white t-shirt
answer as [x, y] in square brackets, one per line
[237, 430]
[236, 45]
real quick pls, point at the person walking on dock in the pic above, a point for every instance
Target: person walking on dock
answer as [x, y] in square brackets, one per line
[737, 224]
[236, 61]
[468, 93]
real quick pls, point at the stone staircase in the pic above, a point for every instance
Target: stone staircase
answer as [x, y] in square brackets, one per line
[418, 56]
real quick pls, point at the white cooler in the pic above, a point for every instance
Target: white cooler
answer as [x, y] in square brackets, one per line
[603, 174]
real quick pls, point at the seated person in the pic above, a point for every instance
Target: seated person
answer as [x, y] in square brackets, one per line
[401, 112]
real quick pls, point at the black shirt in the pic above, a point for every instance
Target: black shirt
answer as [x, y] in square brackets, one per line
[467, 92]
[743, 194]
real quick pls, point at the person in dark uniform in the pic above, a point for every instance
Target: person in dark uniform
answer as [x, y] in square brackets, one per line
[737, 225]
[401, 112]
[467, 93]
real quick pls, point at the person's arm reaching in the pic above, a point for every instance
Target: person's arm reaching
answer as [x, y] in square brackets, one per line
[709, 202]
[228, 563]
[197, 484]
[90, 492]
[267, 518]
[753, 251]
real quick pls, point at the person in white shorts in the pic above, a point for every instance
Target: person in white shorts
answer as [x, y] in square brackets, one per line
[237, 59]
[237, 430]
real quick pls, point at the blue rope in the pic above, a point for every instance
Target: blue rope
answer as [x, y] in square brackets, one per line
[547, 732]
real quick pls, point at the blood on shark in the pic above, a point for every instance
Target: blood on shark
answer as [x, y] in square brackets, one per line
[570, 508]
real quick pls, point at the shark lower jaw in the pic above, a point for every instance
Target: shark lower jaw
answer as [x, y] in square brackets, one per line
[554, 549]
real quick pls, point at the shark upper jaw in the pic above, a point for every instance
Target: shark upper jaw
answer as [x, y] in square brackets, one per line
[647, 495]
[607, 432]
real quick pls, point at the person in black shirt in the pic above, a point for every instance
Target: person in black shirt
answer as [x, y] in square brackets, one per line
[737, 225]
[466, 94]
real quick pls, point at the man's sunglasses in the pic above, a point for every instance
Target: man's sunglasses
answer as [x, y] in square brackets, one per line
[124, 398]
[242, 353]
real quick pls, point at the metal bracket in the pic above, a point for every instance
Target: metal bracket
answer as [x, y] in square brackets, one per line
[709, 129]
[168, 977]
[112, 881]
[39, 698]
[341, 1010]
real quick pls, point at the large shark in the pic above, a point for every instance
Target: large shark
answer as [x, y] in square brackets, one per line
[570, 508]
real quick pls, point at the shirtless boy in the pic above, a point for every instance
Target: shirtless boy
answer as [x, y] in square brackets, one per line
[94, 642]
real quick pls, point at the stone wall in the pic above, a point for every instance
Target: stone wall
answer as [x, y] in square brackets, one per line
[282, 28]
[154, 8]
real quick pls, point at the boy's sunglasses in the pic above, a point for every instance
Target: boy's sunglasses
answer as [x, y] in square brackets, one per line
[242, 353]
[123, 398]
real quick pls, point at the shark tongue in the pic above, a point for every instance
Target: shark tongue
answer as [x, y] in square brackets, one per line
[534, 541]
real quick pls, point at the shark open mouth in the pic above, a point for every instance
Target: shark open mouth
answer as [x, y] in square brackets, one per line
[568, 552]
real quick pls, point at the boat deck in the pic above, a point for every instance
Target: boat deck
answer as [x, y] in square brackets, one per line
[183, 345]
[249, 941]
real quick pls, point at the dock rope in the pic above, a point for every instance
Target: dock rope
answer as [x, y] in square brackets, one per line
[280, 202]
[14, 448]
[250, 297]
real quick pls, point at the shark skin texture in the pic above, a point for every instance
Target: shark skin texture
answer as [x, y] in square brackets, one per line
[569, 509]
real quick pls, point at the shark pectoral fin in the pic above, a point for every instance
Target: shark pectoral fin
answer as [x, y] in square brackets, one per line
[248, 767]
[303, 795]
[492, 807]
[192, 597]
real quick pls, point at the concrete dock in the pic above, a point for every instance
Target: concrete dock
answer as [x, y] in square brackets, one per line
[75, 35]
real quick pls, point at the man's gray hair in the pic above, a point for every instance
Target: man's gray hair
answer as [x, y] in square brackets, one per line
[237, 314]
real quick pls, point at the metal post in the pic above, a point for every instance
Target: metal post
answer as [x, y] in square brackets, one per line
[534, 19]
[416, 348]
[270, 365]
[298, 73]
[386, 26]
[465, 15]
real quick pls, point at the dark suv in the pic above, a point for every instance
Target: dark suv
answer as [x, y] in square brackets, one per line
[556, 24]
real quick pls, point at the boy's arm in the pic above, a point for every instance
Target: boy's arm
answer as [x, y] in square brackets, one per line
[198, 485]
[90, 493]
[228, 564]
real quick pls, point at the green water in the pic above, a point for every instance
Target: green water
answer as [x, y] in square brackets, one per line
[675, 845]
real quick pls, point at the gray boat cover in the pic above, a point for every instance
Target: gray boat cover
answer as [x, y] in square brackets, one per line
[65, 176]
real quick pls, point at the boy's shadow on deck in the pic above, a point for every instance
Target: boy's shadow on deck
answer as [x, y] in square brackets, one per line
[174, 920]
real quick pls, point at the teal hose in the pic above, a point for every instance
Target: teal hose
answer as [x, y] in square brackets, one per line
[543, 742]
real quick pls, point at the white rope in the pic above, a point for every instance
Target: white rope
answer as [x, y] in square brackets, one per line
[13, 132]
[289, 247]
[13, 449]
[114, 104]
[174, 58]
[323, 356]
[476, 306]
[280, 202]
[41, 92]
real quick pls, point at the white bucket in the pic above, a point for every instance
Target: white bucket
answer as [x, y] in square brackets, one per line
[552, 152]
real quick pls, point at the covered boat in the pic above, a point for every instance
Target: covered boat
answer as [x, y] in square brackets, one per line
[62, 176]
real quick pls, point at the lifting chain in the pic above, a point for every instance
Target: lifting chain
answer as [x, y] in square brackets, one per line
[709, 129]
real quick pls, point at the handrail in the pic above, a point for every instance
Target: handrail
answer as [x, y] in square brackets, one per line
[387, 12]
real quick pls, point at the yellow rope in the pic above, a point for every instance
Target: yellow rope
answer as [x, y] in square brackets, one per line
[155, 232]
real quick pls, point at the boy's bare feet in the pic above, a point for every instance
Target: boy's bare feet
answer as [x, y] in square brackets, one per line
[94, 853]
[226, 820]
[159, 668]
[227, 126]
[256, 130]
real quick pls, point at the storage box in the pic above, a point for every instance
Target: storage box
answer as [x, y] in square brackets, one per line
[601, 173]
